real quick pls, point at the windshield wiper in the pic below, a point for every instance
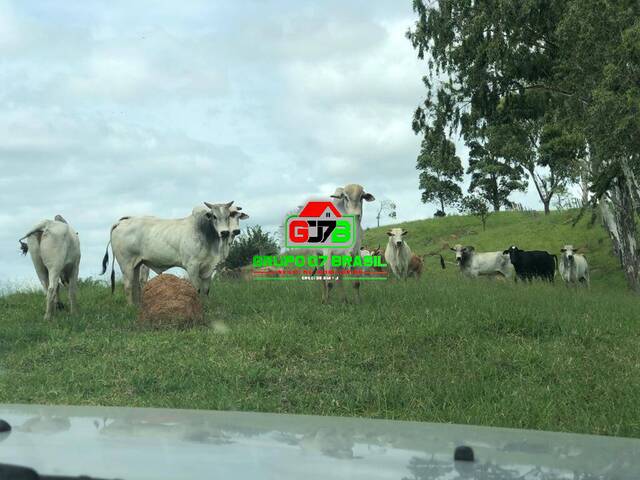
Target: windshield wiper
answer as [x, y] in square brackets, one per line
[16, 472]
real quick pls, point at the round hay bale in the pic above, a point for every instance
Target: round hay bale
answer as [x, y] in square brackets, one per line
[169, 301]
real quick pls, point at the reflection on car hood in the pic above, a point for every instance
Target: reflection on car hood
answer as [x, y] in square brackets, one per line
[135, 443]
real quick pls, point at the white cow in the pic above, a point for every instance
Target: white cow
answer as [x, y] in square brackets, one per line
[55, 251]
[348, 200]
[225, 244]
[573, 266]
[398, 254]
[474, 264]
[193, 243]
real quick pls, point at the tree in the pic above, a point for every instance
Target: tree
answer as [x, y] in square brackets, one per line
[585, 54]
[440, 169]
[493, 177]
[476, 206]
[527, 130]
[253, 241]
[388, 207]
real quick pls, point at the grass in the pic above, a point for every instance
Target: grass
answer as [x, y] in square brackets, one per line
[444, 349]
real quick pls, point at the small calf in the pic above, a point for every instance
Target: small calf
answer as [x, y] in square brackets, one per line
[416, 266]
[573, 267]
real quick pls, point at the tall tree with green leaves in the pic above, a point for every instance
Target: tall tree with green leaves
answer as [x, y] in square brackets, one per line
[583, 53]
[493, 177]
[528, 131]
[440, 170]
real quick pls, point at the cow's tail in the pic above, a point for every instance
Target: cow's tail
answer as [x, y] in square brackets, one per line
[23, 246]
[442, 262]
[555, 258]
[105, 262]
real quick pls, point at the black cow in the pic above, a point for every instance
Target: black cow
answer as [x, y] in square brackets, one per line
[532, 264]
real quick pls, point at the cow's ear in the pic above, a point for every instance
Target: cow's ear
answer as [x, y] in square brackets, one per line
[452, 249]
[404, 232]
[368, 197]
[243, 216]
[389, 233]
[339, 193]
[563, 250]
[506, 252]
[470, 248]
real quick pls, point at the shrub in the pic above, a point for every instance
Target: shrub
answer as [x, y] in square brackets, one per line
[251, 242]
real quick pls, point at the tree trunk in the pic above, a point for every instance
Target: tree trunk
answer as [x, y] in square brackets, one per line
[546, 202]
[618, 216]
[442, 204]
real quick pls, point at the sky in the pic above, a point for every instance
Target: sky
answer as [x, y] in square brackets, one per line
[127, 108]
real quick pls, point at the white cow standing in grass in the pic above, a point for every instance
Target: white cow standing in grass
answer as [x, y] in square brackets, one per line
[398, 254]
[474, 264]
[348, 200]
[573, 267]
[55, 251]
[225, 244]
[193, 243]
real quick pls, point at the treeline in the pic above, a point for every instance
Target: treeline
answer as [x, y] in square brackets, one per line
[542, 91]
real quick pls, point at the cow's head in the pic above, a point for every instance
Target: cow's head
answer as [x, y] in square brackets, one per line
[235, 215]
[462, 253]
[218, 216]
[396, 236]
[349, 199]
[568, 252]
[513, 252]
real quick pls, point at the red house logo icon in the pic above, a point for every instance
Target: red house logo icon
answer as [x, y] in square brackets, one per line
[319, 224]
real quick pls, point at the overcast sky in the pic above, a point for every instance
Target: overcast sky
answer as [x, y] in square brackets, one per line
[127, 108]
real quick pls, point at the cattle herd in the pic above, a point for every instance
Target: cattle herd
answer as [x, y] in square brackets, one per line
[200, 242]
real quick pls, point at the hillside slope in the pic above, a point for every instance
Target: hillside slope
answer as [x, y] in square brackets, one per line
[530, 230]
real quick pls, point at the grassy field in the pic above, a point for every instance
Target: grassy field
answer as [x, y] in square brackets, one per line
[444, 349]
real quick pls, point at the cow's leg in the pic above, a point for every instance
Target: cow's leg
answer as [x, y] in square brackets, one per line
[73, 288]
[206, 284]
[52, 293]
[327, 286]
[43, 276]
[59, 304]
[193, 271]
[127, 275]
[135, 285]
[356, 287]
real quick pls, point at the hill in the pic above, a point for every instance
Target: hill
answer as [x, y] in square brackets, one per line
[530, 230]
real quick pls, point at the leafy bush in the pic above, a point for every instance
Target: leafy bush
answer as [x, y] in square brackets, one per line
[251, 242]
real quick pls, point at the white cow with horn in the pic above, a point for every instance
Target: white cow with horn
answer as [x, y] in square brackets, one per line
[348, 200]
[55, 251]
[225, 244]
[398, 254]
[193, 243]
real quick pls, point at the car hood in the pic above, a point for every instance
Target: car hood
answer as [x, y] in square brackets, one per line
[137, 443]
